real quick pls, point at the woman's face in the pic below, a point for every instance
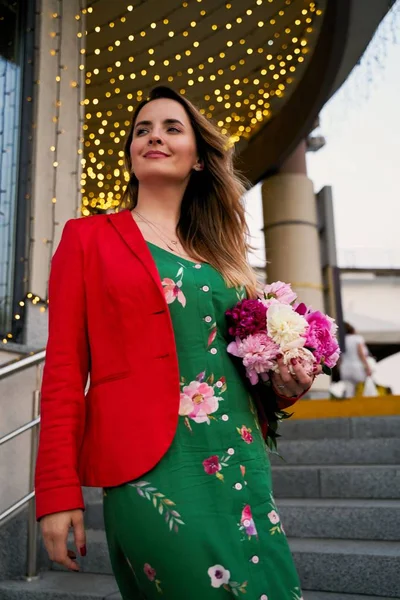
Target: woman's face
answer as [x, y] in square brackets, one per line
[163, 144]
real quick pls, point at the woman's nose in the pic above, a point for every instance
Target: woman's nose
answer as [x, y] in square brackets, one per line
[155, 139]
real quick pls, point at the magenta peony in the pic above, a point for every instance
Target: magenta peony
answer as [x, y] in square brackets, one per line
[246, 318]
[320, 336]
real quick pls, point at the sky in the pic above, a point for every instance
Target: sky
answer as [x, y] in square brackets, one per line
[361, 160]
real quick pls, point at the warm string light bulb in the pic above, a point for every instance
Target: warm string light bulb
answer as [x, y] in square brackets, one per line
[251, 84]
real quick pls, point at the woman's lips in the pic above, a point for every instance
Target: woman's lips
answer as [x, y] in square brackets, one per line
[155, 155]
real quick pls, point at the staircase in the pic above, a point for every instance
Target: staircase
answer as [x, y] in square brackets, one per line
[339, 498]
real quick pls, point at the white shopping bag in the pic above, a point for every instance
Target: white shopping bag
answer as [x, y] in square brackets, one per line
[370, 388]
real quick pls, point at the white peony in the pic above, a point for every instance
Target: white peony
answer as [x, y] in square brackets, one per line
[284, 325]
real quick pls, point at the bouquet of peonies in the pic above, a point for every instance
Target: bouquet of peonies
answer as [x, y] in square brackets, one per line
[276, 324]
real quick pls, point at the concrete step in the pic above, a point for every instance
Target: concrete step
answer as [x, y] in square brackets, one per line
[73, 586]
[332, 481]
[322, 518]
[355, 567]
[341, 518]
[354, 427]
[94, 518]
[333, 596]
[355, 451]
[54, 585]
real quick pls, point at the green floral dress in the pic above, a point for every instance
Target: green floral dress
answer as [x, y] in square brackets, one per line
[203, 523]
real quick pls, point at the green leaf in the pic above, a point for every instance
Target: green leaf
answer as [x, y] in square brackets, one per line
[326, 370]
[168, 502]
[210, 379]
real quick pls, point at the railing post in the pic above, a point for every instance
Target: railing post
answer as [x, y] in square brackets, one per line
[32, 536]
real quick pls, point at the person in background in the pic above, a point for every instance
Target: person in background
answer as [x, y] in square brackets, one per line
[354, 367]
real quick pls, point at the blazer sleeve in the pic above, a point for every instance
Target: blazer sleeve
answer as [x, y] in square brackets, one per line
[64, 379]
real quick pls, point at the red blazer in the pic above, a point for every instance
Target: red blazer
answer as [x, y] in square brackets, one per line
[108, 317]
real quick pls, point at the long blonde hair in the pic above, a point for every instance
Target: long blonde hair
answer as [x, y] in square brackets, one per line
[212, 224]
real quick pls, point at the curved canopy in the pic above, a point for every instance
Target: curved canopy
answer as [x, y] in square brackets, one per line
[261, 69]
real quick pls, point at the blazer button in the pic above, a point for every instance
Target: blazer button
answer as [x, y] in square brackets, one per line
[205, 288]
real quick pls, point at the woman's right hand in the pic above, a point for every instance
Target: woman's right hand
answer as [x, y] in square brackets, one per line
[55, 529]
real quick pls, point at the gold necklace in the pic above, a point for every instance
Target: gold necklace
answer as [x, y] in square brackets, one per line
[157, 231]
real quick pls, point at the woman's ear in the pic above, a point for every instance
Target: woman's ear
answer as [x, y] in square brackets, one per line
[199, 166]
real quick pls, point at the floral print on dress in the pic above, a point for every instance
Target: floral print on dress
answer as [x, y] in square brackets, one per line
[245, 434]
[212, 334]
[164, 506]
[274, 518]
[221, 577]
[247, 524]
[213, 465]
[152, 576]
[200, 398]
[172, 289]
[296, 594]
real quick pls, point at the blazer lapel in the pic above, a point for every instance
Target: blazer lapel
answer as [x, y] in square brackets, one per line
[126, 226]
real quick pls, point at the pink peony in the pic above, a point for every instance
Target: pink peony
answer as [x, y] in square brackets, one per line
[320, 336]
[212, 465]
[258, 353]
[245, 318]
[197, 401]
[150, 572]
[304, 357]
[281, 291]
[247, 521]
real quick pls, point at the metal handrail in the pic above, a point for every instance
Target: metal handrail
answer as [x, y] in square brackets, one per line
[34, 360]
[20, 364]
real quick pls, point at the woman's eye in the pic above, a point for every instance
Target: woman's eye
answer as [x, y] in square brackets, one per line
[140, 131]
[174, 129]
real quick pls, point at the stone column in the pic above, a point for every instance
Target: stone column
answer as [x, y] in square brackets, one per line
[291, 235]
[290, 229]
[58, 145]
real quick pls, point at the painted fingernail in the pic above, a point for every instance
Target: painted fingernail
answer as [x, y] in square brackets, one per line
[83, 550]
[293, 361]
[279, 356]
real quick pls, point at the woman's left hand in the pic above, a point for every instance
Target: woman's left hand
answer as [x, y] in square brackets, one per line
[291, 386]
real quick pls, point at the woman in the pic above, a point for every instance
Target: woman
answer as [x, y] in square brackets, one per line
[168, 427]
[354, 367]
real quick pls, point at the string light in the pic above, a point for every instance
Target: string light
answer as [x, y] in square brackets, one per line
[259, 53]
[77, 82]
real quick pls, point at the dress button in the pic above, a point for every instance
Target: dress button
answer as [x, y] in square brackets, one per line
[246, 523]
[264, 597]
[255, 560]
[225, 418]
[208, 319]
[231, 451]
[238, 486]
[205, 288]
[197, 266]
[213, 351]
